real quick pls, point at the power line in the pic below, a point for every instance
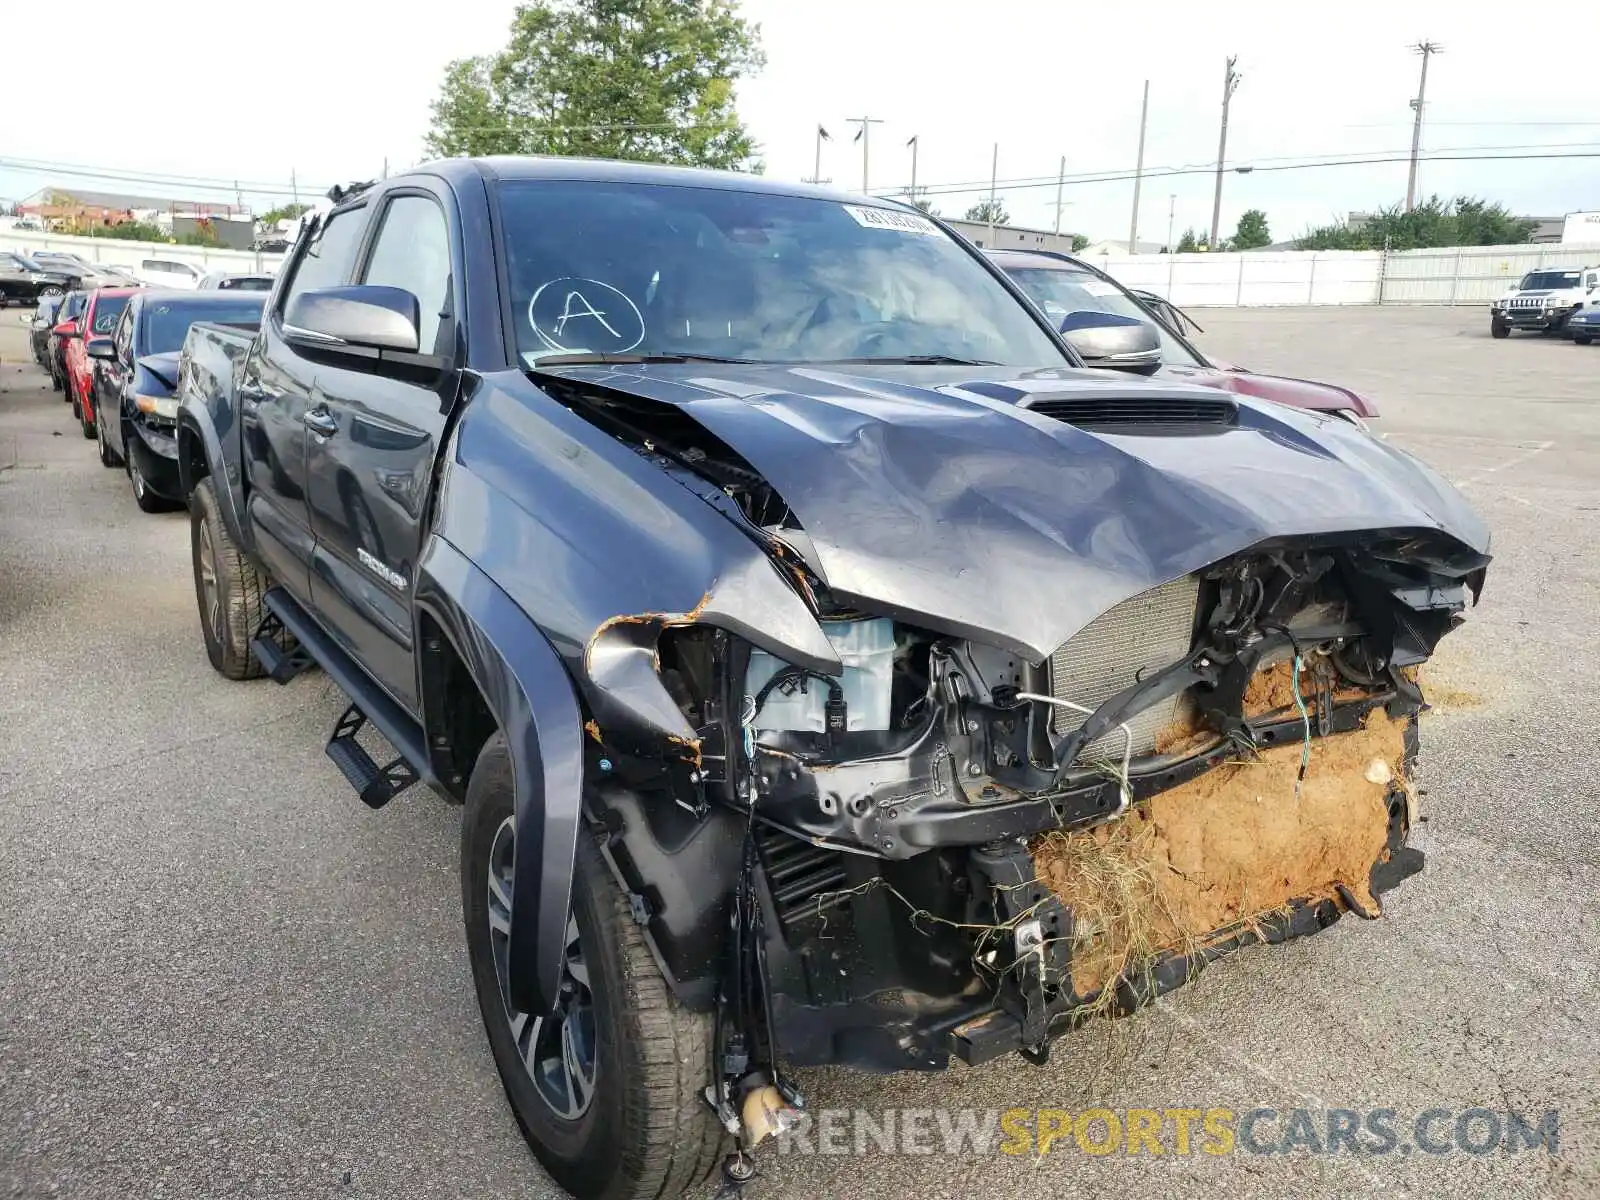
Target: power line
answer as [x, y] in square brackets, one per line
[1121, 176]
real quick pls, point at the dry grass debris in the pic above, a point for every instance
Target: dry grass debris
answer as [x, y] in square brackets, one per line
[1223, 850]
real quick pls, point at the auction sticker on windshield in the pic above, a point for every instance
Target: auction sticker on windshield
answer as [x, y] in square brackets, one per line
[887, 218]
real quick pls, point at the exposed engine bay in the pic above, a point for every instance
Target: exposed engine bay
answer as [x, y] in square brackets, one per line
[953, 847]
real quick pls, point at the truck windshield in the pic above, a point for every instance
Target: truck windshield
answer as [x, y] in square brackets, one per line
[1064, 290]
[165, 324]
[1539, 280]
[106, 311]
[649, 269]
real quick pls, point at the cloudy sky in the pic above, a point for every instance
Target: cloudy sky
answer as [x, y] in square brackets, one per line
[162, 92]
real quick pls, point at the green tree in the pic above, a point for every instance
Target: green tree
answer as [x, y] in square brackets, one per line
[1189, 242]
[284, 212]
[1252, 233]
[1464, 221]
[647, 80]
[1078, 242]
[989, 210]
[919, 200]
[129, 231]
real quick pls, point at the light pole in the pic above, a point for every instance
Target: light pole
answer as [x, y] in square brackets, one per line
[1138, 172]
[864, 136]
[1427, 50]
[1230, 84]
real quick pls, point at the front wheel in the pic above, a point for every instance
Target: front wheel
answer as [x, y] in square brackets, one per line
[607, 1088]
[146, 499]
[1582, 339]
[51, 290]
[1498, 328]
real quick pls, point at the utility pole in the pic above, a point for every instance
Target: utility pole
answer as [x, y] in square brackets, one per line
[864, 136]
[1138, 172]
[1061, 182]
[386, 166]
[1427, 50]
[816, 170]
[913, 144]
[294, 187]
[1172, 212]
[1230, 83]
[994, 178]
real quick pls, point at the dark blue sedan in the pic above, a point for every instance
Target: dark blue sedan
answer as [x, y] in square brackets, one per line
[136, 379]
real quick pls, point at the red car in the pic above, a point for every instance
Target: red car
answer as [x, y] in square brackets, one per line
[98, 321]
[1069, 287]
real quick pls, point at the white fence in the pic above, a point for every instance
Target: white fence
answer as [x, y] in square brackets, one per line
[1469, 275]
[117, 253]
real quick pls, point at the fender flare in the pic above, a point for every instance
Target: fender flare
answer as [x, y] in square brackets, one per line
[195, 422]
[531, 698]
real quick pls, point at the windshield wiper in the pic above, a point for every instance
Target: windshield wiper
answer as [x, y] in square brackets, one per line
[912, 360]
[585, 359]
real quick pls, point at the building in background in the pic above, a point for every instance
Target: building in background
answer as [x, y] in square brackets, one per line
[1013, 237]
[78, 210]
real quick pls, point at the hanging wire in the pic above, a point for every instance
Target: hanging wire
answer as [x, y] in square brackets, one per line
[1305, 723]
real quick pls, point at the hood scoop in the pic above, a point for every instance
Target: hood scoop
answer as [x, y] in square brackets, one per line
[1128, 414]
[1158, 407]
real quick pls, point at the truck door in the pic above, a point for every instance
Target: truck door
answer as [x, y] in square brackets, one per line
[275, 394]
[371, 467]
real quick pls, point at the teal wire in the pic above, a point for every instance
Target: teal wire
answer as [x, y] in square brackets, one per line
[1305, 722]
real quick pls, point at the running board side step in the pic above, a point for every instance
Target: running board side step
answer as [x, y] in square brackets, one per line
[374, 784]
[267, 645]
[368, 702]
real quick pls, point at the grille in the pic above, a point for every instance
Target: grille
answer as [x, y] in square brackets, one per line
[1115, 411]
[1526, 302]
[1149, 631]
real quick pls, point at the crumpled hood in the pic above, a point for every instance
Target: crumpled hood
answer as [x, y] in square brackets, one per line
[163, 366]
[937, 496]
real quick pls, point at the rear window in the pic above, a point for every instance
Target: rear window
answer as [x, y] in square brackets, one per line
[48, 306]
[245, 283]
[72, 307]
[170, 268]
[164, 325]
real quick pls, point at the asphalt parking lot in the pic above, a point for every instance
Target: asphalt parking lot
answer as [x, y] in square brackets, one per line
[220, 975]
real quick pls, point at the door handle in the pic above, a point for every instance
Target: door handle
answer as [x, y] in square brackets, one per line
[320, 421]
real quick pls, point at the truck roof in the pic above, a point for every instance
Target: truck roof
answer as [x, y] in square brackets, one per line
[601, 170]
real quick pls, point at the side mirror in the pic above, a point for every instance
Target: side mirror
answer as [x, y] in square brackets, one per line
[1108, 340]
[101, 347]
[362, 317]
[67, 329]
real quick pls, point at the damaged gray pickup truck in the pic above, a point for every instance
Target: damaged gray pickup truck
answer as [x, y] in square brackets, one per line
[832, 670]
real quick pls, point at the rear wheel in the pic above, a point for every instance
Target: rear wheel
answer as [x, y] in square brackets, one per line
[1498, 328]
[1582, 339]
[607, 1087]
[108, 456]
[227, 587]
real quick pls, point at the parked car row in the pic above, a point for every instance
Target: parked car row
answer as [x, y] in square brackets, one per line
[113, 353]
[1112, 326]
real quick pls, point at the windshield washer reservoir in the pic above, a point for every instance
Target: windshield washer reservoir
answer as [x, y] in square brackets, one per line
[865, 647]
